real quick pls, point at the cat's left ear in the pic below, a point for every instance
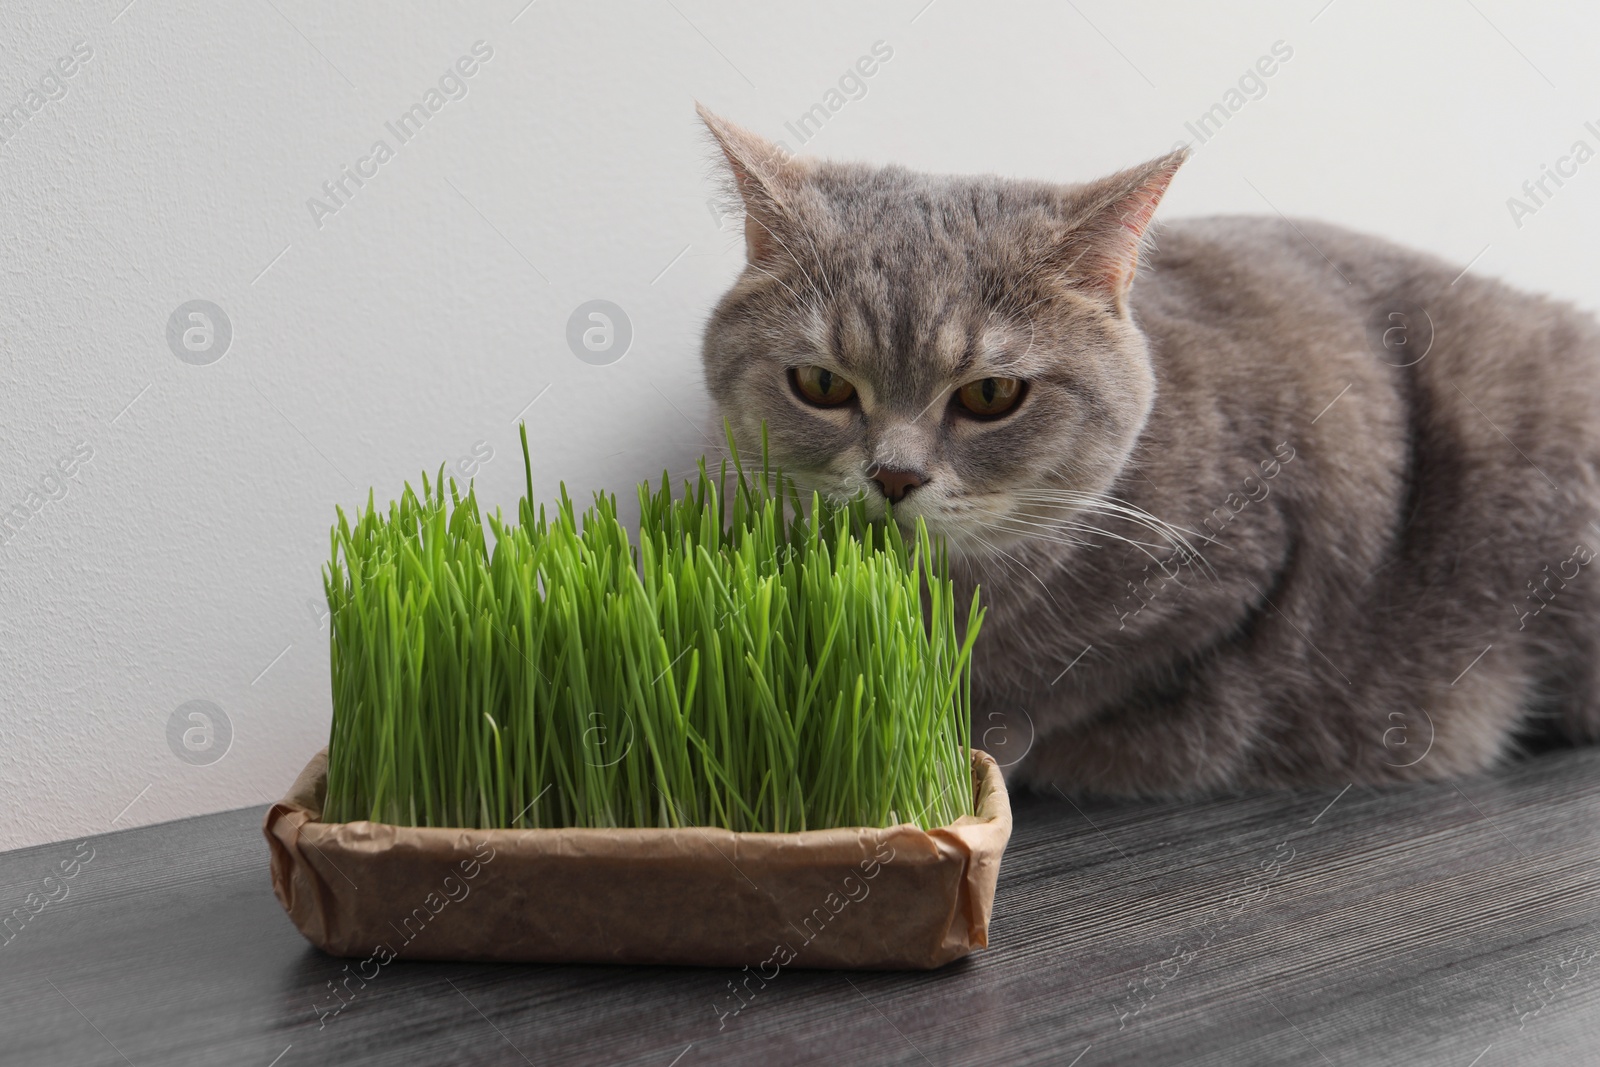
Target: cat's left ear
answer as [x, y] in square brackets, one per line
[767, 178]
[1108, 222]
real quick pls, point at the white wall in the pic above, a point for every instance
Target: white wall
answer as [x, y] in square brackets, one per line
[183, 561]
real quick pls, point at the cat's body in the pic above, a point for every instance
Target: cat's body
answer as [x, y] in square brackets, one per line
[1343, 633]
[1293, 506]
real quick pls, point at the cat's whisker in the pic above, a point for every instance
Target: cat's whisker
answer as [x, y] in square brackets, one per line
[1053, 524]
[995, 554]
[991, 555]
[1176, 537]
[996, 548]
[1050, 532]
[1068, 576]
[1105, 503]
[1007, 513]
[1085, 527]
[1180, 535]
[1100, 498]
[1166, 542]
[1060, 526]
[1067, 540]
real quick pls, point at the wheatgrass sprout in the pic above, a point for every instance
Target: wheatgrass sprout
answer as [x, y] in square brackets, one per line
[743, 663]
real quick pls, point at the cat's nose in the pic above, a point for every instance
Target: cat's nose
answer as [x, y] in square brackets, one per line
[897, 483]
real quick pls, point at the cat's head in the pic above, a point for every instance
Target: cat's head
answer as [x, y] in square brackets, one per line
[959, 345]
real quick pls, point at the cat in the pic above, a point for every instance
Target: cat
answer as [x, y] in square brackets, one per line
[1259, 504]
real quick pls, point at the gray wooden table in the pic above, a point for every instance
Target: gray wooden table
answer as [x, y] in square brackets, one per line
[1437, 924]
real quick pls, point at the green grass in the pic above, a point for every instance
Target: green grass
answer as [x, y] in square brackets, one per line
[742, 662]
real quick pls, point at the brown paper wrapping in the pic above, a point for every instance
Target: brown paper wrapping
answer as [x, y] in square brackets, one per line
[895, 898]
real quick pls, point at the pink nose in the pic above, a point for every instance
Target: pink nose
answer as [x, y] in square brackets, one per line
[896, 483]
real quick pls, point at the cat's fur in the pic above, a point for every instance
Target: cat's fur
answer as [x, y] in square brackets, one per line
[1226, 540]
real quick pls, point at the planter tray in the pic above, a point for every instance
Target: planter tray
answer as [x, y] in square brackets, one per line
[895, 898]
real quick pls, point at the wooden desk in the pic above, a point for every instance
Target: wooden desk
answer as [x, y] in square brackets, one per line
[1430, 925]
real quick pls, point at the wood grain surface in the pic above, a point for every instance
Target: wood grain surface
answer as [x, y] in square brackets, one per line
[1439, 924]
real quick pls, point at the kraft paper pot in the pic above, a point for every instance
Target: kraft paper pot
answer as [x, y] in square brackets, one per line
[886, 899]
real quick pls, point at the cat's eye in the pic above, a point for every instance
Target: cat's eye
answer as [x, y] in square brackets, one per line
[989, 398]
[820, 386]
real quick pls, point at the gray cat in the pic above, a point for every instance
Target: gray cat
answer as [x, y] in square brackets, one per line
[1286, 505]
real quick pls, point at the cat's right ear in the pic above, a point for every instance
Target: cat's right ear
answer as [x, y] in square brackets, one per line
[766, 177]
[1110, 219]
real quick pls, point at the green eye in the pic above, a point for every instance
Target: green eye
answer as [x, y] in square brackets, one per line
[820, 386]
[989, 398]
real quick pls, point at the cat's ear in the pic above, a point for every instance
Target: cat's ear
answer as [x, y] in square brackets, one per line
[766, 177]
[1107, 223]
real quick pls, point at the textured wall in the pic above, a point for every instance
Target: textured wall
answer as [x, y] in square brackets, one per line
[174, 501]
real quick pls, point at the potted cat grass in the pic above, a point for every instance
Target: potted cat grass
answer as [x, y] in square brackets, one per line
[740, 737]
